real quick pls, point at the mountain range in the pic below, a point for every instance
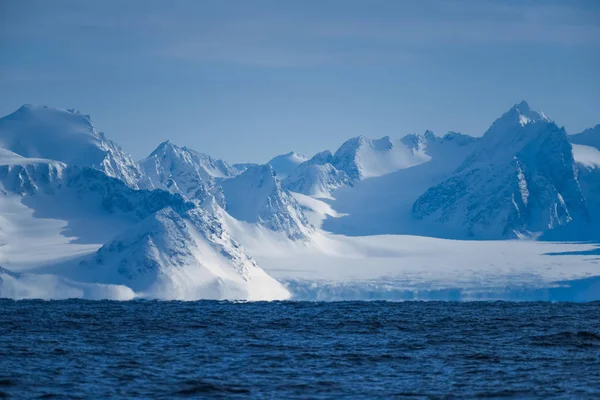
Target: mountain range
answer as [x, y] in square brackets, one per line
[82, 218]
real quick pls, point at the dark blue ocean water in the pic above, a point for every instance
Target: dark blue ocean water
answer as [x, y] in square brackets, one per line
[147, 349]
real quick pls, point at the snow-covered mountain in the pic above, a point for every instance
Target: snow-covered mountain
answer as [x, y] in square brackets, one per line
[24, 176]
[171, 248]
[75, 224]
[67, 136]
[383, 205]
[362, 158]
[317, 177]
[257, 196]
[254, 195]
[241, 167]
[520, 180]
[589, 137]
[184, 171]
[183, 255]
[586, 152]
[80, 218]
[285, 164]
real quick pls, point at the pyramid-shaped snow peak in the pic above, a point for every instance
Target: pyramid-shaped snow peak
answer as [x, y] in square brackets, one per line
[257, 196]
[184, 171]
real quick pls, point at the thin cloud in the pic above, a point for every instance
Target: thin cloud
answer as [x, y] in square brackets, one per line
[271, 35]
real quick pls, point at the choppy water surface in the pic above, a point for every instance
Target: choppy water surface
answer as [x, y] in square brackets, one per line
[139, 349]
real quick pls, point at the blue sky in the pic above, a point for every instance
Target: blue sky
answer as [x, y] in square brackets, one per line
[246, 80]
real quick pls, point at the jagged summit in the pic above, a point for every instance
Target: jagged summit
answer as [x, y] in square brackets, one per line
[169, 151]
[419, 141]
[184, 171]
[518, 115]
[519, 180]
[320, 158]
[162, 148]
[510, 133]
[317, 177]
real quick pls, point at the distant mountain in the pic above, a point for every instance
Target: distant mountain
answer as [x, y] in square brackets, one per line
[519, 181]
[285, 164]
[589, 137]
[241, 167]
[362, 158]
[80, 218]
[383, 205]
[24, 176]
[172, 248]
[69, 137]
[158, 244]
[586, 152]
[257, 196]
[184, 171]
[317, 177]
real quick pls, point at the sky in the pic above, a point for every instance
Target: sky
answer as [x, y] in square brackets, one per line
[247, 80]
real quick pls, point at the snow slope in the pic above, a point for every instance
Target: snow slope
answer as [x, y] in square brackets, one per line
[257, 196]
[317, 177]
[383, 205]
[285, 164]
[158, 244]
[586, 156]
[395, 267]
[357, 159]
[401, 267]
[180, 255]
[67, 136]
[363, 158]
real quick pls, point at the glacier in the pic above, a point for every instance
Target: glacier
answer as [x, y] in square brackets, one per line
[510, 215]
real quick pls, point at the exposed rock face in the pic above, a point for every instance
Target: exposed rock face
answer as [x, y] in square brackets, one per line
[589, 137]
[317, 177]
[185, 171]
[520, 180]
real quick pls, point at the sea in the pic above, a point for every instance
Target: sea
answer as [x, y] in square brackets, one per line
[77, 349]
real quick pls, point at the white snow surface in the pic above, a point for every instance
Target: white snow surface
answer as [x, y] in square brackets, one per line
[372, 221]
[404, 267]
[363, 158]
[67, 136]
[383, 205]
[257, 196]
[317, 177]
[285, 164]
[587, 156]
[75, 232]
